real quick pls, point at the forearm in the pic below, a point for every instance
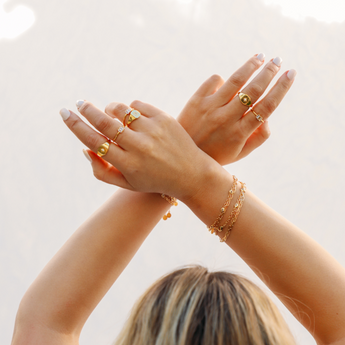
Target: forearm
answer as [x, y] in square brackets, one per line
[79, 275]
[308, 280]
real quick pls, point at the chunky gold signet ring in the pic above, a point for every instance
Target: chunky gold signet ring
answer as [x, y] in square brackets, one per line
[135, 114]
[103, 149]
[245, 99]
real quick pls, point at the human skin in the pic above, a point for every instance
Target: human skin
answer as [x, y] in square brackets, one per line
[58, 303]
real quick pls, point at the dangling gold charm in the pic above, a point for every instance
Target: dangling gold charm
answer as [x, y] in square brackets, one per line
[172, 201]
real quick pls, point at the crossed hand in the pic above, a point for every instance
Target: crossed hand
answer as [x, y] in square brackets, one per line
[156, 153]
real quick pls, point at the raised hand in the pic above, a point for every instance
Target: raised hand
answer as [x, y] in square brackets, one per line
[220, 124]
[153, 154]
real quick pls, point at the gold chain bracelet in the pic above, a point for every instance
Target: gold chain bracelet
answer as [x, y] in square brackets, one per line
[235, 212]
[172, 201]
[215, 226]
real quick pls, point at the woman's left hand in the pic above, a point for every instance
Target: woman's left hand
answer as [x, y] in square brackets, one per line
[153, 154]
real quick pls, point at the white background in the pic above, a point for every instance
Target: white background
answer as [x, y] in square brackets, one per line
[158, 51]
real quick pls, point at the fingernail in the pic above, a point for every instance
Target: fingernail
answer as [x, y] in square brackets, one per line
[64, 114]
[278, 61]
[292, 74]
[79, 103]
[86, 154]
[261, 56]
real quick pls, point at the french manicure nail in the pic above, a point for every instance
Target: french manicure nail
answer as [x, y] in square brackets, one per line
[65, 114]
[278, 61]
[261, 56]
[79, 103]
[86, 154]
[292, 74]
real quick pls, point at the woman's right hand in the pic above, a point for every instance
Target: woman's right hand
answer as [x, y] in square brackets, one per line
[154, 154]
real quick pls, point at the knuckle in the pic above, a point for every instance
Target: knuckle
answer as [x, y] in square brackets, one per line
[119, 108]
[284, 86]
[254, 63]
[92, 140]
[103, 123]
[109, 108]
[86, 107]
[115, 108]
[270, 105]
[135, 104]
[74, 123]
[255, 90]
[216, 78]
[237, 80]
[272, 68]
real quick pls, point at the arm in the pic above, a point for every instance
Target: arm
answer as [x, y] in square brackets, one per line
[58, 303]
[56, 306]
[290, 262]
[306, 278]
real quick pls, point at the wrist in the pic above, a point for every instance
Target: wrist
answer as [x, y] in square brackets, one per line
[214, 182]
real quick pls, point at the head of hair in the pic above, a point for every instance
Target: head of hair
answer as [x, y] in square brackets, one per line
[192, 306]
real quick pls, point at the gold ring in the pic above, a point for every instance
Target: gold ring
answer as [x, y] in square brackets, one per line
[258, 117]
[120, 130]
[128, 111]
[133, 115]
[103, 149]
[245, 99]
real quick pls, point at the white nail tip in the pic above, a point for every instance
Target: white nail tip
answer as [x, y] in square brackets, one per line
[278, 61]
[292, 74]
[261, 56]
[65, 114]
[86, 154]
[79, 103]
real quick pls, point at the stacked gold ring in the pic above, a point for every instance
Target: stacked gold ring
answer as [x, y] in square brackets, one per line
[246, 100]
[120, 130]
[133, 115]
[257, 116]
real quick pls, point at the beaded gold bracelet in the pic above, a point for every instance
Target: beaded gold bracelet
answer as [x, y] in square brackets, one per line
[230, 222]
[216, 224]
[172, 201]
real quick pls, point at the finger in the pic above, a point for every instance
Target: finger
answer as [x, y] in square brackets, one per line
[121, 112]
[238, 79]
[116, 110]
[259, 136]
[106, 172]
[210, 86]
[268, 104]
[257, 86]
[106, 125]
[146, 109]
[92, 139]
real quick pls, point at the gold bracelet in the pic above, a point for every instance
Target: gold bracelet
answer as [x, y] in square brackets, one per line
[172, 201]
[235, 212]
[215, 226]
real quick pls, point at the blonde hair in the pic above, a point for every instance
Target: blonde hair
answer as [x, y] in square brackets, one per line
[192, 306]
